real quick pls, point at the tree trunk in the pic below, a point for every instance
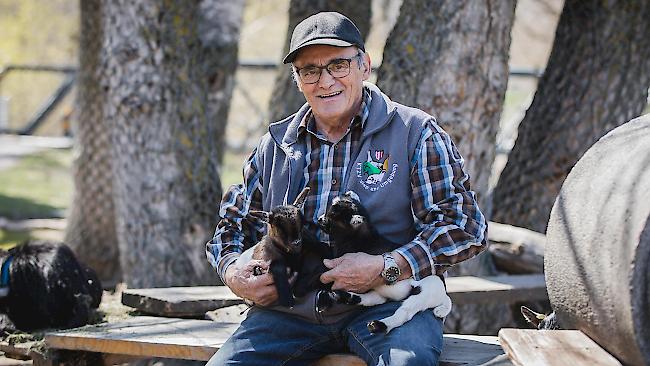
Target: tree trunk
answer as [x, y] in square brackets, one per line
[91, 224]
[286, 99]
[597, 78]
[450, 58]
[219, 27]
[165, 156]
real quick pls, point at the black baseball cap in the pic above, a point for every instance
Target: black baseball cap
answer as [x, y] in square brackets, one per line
[328, 28]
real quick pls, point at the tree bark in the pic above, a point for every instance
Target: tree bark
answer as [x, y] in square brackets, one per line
[286, 98]
[597, 78]
[450, 58]
[90, 231]
[219, 26]
[166, 177]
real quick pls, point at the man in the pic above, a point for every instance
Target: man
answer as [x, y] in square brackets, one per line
[408, 174]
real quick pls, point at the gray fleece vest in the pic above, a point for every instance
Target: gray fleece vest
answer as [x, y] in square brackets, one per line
[380, 174]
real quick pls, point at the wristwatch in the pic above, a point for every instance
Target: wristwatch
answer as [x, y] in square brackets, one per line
[391, 271]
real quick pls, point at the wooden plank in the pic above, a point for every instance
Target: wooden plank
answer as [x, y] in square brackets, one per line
[340, 359]
[496, 289]
[196, 301]
[180, 301]
[530, 347]
[191, 339]
[187, 339]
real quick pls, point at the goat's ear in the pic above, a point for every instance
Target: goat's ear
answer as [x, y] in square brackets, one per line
[260, 215]
[300, 200]
[532, 317]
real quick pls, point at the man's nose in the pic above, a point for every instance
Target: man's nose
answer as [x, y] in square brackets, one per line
[326, 79]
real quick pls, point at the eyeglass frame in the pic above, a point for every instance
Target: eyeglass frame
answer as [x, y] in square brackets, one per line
[358, 56]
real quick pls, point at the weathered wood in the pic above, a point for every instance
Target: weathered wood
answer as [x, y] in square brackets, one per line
[516, 250]
[180, 301]
[234, 313]
[196, 301]
[530, 347]
[496, 289]
[11, 362]
[340, 359]
[148, 336]
[199, 339]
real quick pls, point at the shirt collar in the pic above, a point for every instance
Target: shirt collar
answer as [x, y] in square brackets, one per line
[308, 122]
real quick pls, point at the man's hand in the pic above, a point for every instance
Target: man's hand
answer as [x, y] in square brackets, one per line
[356, 272]
[258, 289]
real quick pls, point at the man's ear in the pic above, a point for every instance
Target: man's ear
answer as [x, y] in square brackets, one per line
[366, 65]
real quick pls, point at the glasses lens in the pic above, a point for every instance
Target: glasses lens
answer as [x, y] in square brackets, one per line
[309, 74]
[339, 68]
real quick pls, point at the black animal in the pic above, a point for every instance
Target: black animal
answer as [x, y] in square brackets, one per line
[283, 245]
[347, 223]
[44, 286]
[540, 321]
[350, 231]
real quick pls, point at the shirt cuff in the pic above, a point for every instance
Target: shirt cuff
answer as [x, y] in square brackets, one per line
[224, 263]
[417, 255]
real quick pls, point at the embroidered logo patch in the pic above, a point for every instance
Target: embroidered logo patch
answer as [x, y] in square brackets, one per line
[371, 173]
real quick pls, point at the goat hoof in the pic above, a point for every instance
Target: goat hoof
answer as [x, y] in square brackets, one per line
[377, 326]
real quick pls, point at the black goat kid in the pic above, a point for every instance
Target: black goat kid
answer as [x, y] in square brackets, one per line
[283, 245]
[44, 286]
[347, 223]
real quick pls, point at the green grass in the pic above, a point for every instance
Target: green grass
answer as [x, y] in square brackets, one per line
[37, 186]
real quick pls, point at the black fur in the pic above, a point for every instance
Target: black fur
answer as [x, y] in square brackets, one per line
[48, 287]
[346, 222]
[287, 245]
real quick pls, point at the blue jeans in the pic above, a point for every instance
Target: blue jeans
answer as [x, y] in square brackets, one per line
[271, 338]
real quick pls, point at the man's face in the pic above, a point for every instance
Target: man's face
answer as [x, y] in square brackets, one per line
[333, 100]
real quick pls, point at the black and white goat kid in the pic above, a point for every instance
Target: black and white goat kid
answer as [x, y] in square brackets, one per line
[347, 223]
[42, 285]
[283, 245]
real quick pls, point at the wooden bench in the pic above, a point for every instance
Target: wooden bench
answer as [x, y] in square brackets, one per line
[553, 348]
[192, 339]
[196, 301]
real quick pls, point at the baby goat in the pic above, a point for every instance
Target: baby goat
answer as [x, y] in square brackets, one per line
[349, 228]
[42, 285]
[282, 245]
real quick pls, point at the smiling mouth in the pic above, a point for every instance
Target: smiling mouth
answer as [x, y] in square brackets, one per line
[324, 96]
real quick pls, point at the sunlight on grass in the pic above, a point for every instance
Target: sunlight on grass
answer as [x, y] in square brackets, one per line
[37, 186]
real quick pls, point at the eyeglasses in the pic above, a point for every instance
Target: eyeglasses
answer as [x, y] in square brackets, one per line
[338, 68]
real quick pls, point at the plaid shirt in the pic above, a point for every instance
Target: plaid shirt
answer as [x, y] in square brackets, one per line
[437, 179]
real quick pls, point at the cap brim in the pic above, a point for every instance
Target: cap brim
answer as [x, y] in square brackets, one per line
[326, 41]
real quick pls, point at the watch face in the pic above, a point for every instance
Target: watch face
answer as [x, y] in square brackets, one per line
[392, 274]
